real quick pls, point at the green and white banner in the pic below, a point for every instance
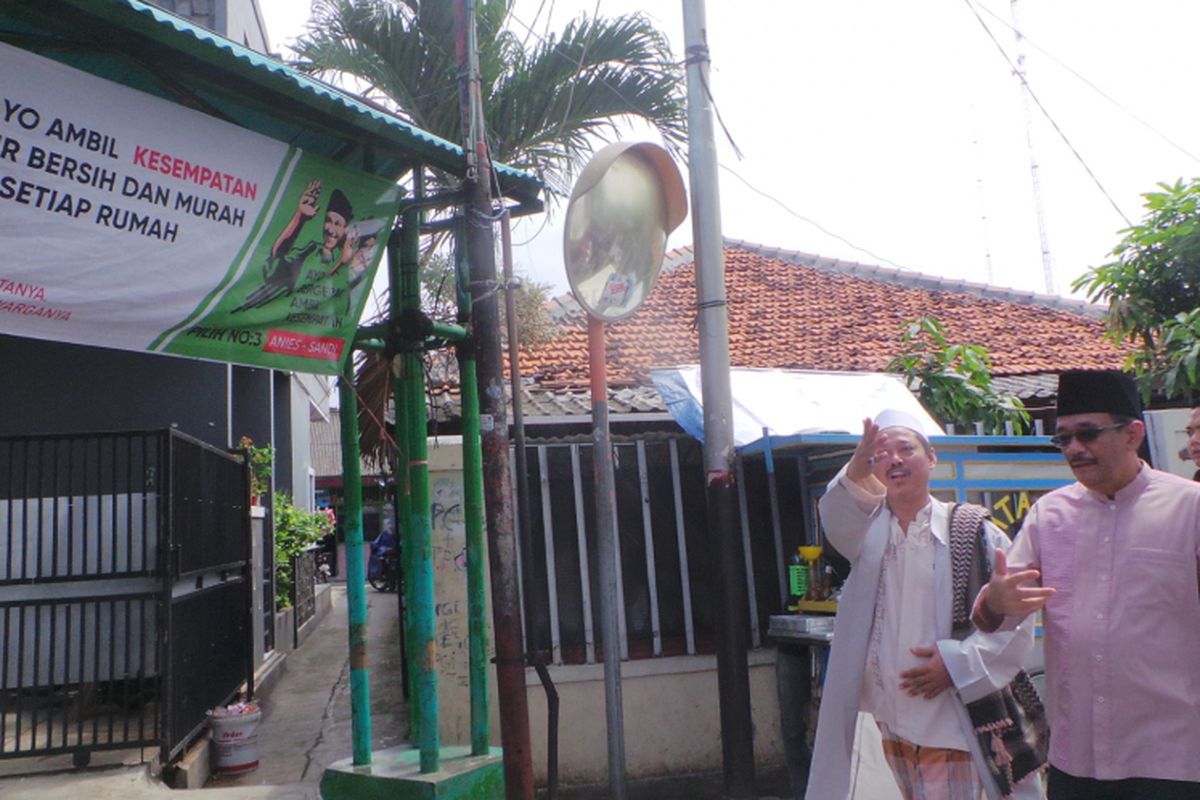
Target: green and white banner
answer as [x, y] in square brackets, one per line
[135, 223]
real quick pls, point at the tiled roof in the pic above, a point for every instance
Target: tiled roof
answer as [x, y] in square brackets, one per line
[797, 311]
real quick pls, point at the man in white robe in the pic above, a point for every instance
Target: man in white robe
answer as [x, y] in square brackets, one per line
[893, 655]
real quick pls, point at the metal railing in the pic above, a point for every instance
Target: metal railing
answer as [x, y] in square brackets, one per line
[304, 586]
[664, 605]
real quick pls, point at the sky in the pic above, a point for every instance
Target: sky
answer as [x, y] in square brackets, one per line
[894, 133]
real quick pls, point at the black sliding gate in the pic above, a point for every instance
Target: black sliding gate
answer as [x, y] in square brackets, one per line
[125, 610]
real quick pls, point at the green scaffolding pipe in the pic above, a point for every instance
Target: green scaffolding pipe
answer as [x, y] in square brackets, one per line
[373, 345]
[472, 451]
[453, 333]
[370, 335]
[423, 655]
[356, 579]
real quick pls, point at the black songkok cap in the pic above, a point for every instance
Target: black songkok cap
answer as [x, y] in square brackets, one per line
[1098, 392]
[340, 204]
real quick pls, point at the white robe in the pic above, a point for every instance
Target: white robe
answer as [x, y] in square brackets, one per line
[978, 665]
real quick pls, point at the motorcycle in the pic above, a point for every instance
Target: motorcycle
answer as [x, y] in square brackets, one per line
[325, 558]
[383, 567]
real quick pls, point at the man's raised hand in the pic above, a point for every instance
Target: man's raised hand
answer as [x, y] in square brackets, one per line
[1014, 594]
[862, 463]
[307, 207]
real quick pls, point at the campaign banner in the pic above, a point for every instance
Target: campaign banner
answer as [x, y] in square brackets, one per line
[135, 223]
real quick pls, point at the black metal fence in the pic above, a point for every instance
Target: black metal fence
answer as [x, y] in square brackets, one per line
[120, 551]
[304, 588]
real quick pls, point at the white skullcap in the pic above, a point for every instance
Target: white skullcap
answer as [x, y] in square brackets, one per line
[895, 418]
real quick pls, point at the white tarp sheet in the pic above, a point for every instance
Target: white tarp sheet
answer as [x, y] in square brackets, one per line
[789, 402]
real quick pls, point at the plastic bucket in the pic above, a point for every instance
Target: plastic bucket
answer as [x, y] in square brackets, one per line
[235, 737]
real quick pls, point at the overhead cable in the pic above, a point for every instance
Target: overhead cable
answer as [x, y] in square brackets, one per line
[1046, 114]
[1094, 87]
[812, 222]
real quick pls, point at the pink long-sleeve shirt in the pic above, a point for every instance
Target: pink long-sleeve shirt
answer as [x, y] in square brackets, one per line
[1122, 633]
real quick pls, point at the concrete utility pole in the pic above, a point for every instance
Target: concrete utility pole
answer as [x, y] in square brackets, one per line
[733, 676]
[485, 323]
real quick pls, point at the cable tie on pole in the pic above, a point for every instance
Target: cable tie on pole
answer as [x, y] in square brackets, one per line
[697, 54]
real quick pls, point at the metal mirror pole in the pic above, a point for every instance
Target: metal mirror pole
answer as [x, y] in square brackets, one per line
[606, 535]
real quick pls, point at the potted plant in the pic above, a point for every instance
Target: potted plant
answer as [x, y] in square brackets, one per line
[260, 460]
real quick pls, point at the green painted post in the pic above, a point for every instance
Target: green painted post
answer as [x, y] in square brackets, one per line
[423, 653]
[472, 451]
[356, 579]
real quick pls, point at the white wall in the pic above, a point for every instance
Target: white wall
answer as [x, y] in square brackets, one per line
[300, 411]
[672, 718]
[241, 20]
[1166, 437]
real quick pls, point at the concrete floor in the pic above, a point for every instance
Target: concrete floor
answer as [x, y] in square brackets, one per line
[306, 717]
[305, 725]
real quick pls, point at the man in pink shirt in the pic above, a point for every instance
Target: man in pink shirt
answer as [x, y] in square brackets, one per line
[1113, 561]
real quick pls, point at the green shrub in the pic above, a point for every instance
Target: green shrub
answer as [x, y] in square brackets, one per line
[295, 530]
[954, 381]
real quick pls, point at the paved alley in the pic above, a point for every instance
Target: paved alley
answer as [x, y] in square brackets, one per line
[305, 726]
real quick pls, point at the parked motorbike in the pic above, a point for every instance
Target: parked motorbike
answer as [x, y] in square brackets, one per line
[325, 557]
[383, 567]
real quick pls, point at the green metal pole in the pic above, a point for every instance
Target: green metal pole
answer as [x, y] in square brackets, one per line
[472, 451]
[356, 579]
[423, 656]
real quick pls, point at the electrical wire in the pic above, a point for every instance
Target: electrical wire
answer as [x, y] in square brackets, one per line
[578, 68]
[1092, 86]
[703, 55]
[538, 232]
[1062, 135]
[812, 222]
[698, 54]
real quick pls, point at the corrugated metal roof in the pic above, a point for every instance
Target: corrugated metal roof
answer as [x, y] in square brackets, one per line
[152, 50]
[542, 405]
[326, 440]
[1036, 390]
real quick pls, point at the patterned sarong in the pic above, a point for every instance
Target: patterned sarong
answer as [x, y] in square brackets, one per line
[930, 773]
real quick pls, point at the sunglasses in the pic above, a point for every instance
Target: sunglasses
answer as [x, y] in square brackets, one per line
[1084, 435]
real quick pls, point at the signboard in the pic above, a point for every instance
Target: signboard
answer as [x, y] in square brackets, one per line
[135, 223]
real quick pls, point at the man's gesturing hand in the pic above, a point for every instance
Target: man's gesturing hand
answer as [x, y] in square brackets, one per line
[869, 448]
[928, 680]
[1014, 594]
[308, 200]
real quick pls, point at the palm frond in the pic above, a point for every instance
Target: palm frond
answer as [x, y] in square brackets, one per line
[548, 101]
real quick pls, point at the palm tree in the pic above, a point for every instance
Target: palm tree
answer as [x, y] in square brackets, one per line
[545, 105]
[547, 97]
